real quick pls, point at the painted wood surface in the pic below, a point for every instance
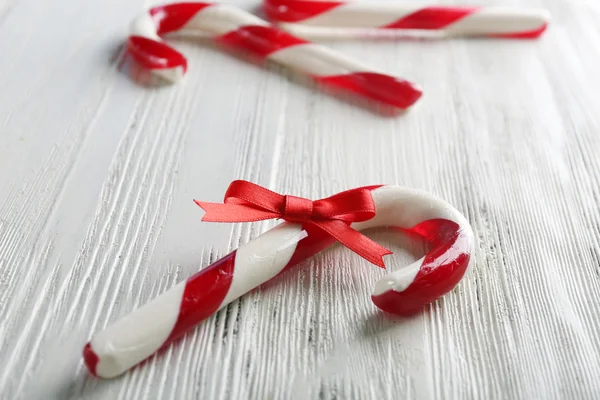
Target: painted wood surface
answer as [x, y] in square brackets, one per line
[98, 173]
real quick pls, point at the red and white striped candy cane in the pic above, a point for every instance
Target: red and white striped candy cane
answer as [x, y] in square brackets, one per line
[448, 20]
[170, 315]
[239, 30]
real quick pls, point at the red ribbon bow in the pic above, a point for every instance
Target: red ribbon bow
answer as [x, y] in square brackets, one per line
[247, 202]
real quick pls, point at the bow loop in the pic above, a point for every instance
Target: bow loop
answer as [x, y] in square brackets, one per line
[247, 202]
[355, 205]
[251, 194]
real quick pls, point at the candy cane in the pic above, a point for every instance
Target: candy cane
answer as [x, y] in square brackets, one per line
[450, 21]
[240, 30]
[169, 316]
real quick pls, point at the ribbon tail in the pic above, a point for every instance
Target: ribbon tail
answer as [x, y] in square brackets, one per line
[219, 212]
[355, 241]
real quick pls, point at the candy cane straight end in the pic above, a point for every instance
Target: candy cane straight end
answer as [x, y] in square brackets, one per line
[110, 367]
[384, 89]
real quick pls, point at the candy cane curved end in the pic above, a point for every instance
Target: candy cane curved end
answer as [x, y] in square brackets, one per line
[449, 234]
[148, 49]
[166, 318]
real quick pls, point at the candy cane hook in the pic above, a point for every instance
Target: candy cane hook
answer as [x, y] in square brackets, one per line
[242, 31]
[166, 318]
[503, 22]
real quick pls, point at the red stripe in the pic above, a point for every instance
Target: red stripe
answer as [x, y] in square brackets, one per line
[258, 40]
[204, 292]
[431, 18]
[155, 55]
[90, 359]
[172, 17]
[383, 88]
[294, 11]
[442, 269]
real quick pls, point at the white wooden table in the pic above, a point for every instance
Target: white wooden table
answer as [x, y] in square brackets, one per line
[98, 173]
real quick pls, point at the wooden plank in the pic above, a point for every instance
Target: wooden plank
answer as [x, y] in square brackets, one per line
[98, 173]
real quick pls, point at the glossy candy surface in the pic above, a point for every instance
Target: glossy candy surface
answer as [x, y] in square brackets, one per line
[404, 292]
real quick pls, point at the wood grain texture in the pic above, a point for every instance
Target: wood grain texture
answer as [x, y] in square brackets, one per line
[98, 173]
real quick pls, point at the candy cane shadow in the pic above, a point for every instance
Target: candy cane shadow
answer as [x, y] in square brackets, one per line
[60, 373]
[128, 66]
[343, 95]
[352, 362]
[352, 349]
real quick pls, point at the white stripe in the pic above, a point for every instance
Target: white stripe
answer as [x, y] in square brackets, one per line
[263, 258]
[399, 280]
[317, 60]
[405, 208]
[360, 15]
[499, 21]
[219, 19]
[138, 335]
[169, 74]
[143, 25]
